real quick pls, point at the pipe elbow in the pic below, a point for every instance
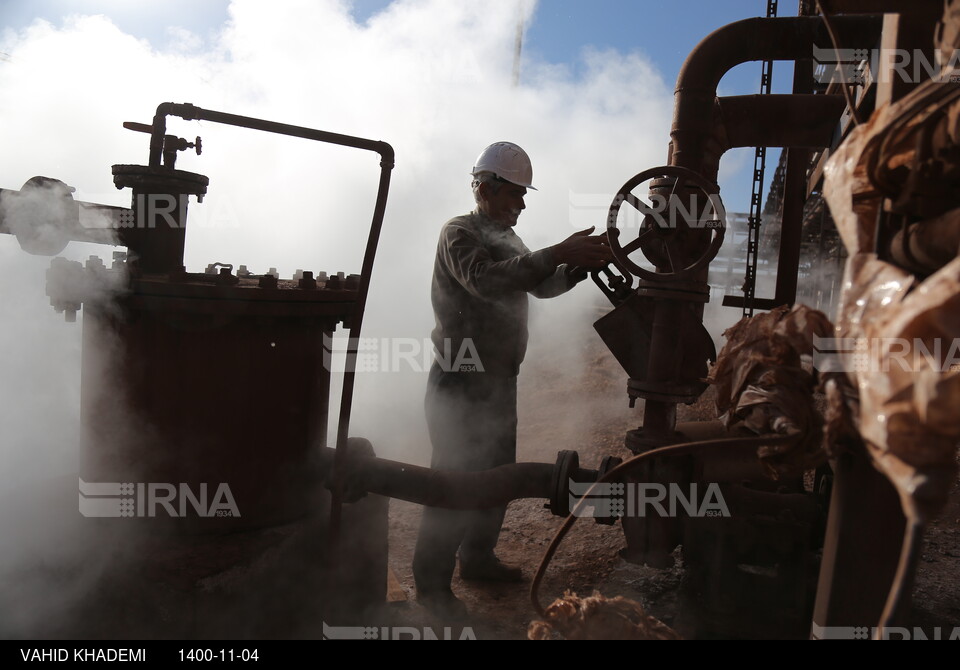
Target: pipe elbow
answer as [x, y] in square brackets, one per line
[387, 156]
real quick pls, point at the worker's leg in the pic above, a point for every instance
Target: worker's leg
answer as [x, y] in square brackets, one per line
[435, 556]
[472, 418]
[441, 530]
[497, 405]
[482, 532]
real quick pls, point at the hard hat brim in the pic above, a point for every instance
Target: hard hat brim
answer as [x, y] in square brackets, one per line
[529, 186]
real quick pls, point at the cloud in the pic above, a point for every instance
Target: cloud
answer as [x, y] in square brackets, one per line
[431, 77]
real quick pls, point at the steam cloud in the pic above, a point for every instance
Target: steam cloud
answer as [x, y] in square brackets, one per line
[431, 77]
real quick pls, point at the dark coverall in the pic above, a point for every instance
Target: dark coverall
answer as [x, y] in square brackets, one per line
[481, 278]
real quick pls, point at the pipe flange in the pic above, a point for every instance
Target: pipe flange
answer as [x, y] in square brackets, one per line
[568, 462]
[159, 179]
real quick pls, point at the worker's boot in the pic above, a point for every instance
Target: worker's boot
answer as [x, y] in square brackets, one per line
[488, 569]
[443, 604]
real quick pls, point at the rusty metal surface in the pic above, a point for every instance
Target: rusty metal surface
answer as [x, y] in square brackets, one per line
[652, 338]
[928, 246]
[628, 331]
[464, 490]
[865, 521]
[756, 570]
[158, 231]
[206, 397]
[246, 296]
[447, 489]
[192, 350]
[681, 230]
[695, 121]
[780, 120]
[752, 39]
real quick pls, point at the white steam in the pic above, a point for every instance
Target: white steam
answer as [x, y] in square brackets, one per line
[431, 77]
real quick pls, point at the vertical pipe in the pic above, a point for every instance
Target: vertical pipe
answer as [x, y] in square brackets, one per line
[356, 321]
[865, 520]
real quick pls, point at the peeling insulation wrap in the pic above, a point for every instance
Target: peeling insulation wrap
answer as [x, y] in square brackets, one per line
[897, 333]
[761, 379]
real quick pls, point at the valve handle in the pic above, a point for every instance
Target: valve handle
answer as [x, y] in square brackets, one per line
[667, 237]
[171, 140]
[617, 287]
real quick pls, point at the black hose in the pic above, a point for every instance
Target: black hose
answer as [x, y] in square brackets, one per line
[898, 599]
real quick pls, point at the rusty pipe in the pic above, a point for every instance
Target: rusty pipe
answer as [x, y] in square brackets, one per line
[453, 490]
[929, 245]
[790, 121]
[789, 38]
[365, 473]
[193, 113]
[780, 120]
[93, 222]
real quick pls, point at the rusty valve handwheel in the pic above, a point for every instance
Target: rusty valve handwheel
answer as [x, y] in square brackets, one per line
[679, 203]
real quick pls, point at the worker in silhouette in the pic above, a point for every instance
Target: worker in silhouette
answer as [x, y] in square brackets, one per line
[482, 275]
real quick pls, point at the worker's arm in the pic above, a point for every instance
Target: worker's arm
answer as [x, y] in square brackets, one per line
[545, 273]
[564, 278]
[577, 255]
[468, 259]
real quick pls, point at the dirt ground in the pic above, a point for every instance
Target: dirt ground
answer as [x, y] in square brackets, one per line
[594, 423]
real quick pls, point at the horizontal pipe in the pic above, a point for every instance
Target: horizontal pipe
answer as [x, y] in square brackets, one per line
[929, 245]
[808, 121]
[192, 112]
[483, 489]
[457, 490]
[97, 223]
[791, 38]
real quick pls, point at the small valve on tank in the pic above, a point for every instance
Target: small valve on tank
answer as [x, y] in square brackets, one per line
[307, 281]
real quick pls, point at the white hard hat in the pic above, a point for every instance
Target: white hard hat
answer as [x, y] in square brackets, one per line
[508, 161]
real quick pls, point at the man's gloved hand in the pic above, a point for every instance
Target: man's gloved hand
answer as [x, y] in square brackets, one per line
[583, 250]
